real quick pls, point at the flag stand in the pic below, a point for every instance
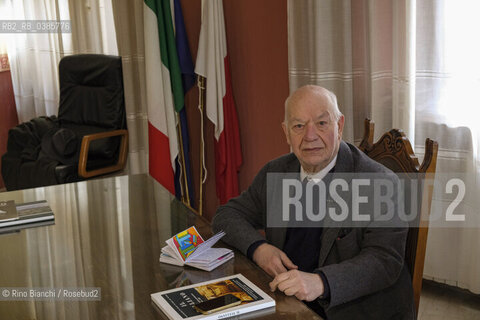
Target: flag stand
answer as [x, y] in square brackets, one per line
[184, 185]
[201, 107]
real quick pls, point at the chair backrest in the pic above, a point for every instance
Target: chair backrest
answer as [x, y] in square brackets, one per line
[91, 91]
[395, 152]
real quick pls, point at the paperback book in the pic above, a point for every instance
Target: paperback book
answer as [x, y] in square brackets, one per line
[25, 215]
[180, 303]
[8, 212]
[189, 248]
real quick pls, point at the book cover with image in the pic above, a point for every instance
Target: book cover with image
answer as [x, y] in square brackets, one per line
[189, 248]
[187, 241]
[179, 303]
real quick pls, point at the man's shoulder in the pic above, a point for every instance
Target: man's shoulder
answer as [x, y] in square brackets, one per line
[285, 163]
[359, 161]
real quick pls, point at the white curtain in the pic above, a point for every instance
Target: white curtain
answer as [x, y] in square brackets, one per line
[399, 63]
[34, 57]
[347, 47]
[93, 29]
[129, 29]
[84, 248]
[447, 110]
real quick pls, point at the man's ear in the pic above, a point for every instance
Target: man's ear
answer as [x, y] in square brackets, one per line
[285, 130]
[341, 122]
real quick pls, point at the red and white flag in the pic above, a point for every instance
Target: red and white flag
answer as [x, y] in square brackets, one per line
[213, 64]
[160, 68]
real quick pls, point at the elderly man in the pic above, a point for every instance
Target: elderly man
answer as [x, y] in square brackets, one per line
[341, 273]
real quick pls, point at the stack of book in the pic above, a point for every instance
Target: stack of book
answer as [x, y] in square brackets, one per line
[26, 215]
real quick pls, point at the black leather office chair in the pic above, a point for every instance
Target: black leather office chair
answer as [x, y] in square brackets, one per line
[89, 136]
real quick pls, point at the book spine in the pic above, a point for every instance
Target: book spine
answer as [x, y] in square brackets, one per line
[243, 309]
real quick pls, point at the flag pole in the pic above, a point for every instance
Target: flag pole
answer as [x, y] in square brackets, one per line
[184, 170]
[201, 106]
[185, 181]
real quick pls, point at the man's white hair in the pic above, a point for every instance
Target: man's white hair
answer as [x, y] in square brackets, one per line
[332, 98]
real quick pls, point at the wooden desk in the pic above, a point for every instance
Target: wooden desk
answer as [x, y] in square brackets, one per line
[108, 233]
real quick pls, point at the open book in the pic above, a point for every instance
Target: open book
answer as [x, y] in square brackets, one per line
[179, 303]
[189, 248]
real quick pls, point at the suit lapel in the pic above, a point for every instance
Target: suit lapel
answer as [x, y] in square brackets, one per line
[344, 159]
[330, 234]
[328, 239]
[277, 235]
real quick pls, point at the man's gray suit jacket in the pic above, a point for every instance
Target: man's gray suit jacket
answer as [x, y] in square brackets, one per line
[364, 268]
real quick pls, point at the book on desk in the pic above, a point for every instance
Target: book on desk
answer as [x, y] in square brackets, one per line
[189, 248]
[179, 303]
[25, 215]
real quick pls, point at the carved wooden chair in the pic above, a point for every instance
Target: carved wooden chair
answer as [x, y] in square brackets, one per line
[394, 151]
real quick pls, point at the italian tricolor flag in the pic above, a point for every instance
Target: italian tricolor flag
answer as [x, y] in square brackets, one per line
[213, 64]
[164, 90]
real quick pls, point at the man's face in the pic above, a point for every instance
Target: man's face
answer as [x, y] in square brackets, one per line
[311, 129]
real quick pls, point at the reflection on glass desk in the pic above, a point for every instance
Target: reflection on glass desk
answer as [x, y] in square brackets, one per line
[108, 233]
